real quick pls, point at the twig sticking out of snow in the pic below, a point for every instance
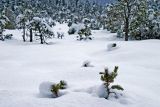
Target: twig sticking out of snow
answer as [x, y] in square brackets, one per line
[87, 64]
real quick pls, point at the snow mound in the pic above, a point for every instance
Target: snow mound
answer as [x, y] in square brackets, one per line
[87, 63]
[112, 46]
[45, 89]
[100, 91]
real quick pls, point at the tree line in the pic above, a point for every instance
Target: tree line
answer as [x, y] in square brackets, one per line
[130, 19]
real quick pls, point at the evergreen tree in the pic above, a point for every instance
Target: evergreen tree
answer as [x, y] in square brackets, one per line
[139, 21]
[11, 16]
[137, 18]
[85, 34]
[21, 24]
[108, 78]
[3, 21]
[153, 20]
[29, 15]
[44, 30]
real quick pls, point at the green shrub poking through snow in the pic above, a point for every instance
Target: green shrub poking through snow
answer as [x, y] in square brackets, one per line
[56, 87]
[63, 84]
[108, 78]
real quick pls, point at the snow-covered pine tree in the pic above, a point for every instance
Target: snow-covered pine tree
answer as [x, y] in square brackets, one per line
[74, 11]
[3, 21]
[85, 33]
[153, 20]
[21, 21]
[113, 19]
[126, 12]
[139, 20]
[11, 16]
[108, 78]
[43, 29]
[55, 88]
[29, 15]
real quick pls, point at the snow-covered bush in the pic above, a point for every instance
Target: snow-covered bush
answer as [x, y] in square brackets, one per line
[111, 46]
[55, 88]
[120, 33]
[71, 31]
[50, 22]
[94, 25]
[86, 21]
[74, 28]
[87, 64]
[52, 90]
[108, 78]
[8, 36]
[60, 35]
[69, 24]
[85, 34]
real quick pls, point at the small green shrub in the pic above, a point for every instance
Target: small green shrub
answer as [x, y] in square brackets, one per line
[84, 34]
[63, 84]
[108, 78]
[72, 31]
[55, 88]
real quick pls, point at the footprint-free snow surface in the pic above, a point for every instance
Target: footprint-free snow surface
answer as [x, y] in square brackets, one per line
[24, 66]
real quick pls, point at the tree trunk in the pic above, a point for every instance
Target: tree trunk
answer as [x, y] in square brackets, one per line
[41, 36]
[77, 3]
[31, 35]
[24, 33]
[126, 29]
[1, 35]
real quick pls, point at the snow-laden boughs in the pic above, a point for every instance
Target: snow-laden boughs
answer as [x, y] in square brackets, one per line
[139, 19]
[113, 20]
[108, 78]
[3, 21]
[22, 21]
[44, 31]
[49, 21]
[146, 24]
[95, 25]
[85, 34]
[131, 19]
[21, 24]
[62, 11]
[75, 28]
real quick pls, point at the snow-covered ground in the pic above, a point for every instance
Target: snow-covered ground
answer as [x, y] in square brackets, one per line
[24, 66]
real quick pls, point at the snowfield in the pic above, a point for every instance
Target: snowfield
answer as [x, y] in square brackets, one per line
[24, 66]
